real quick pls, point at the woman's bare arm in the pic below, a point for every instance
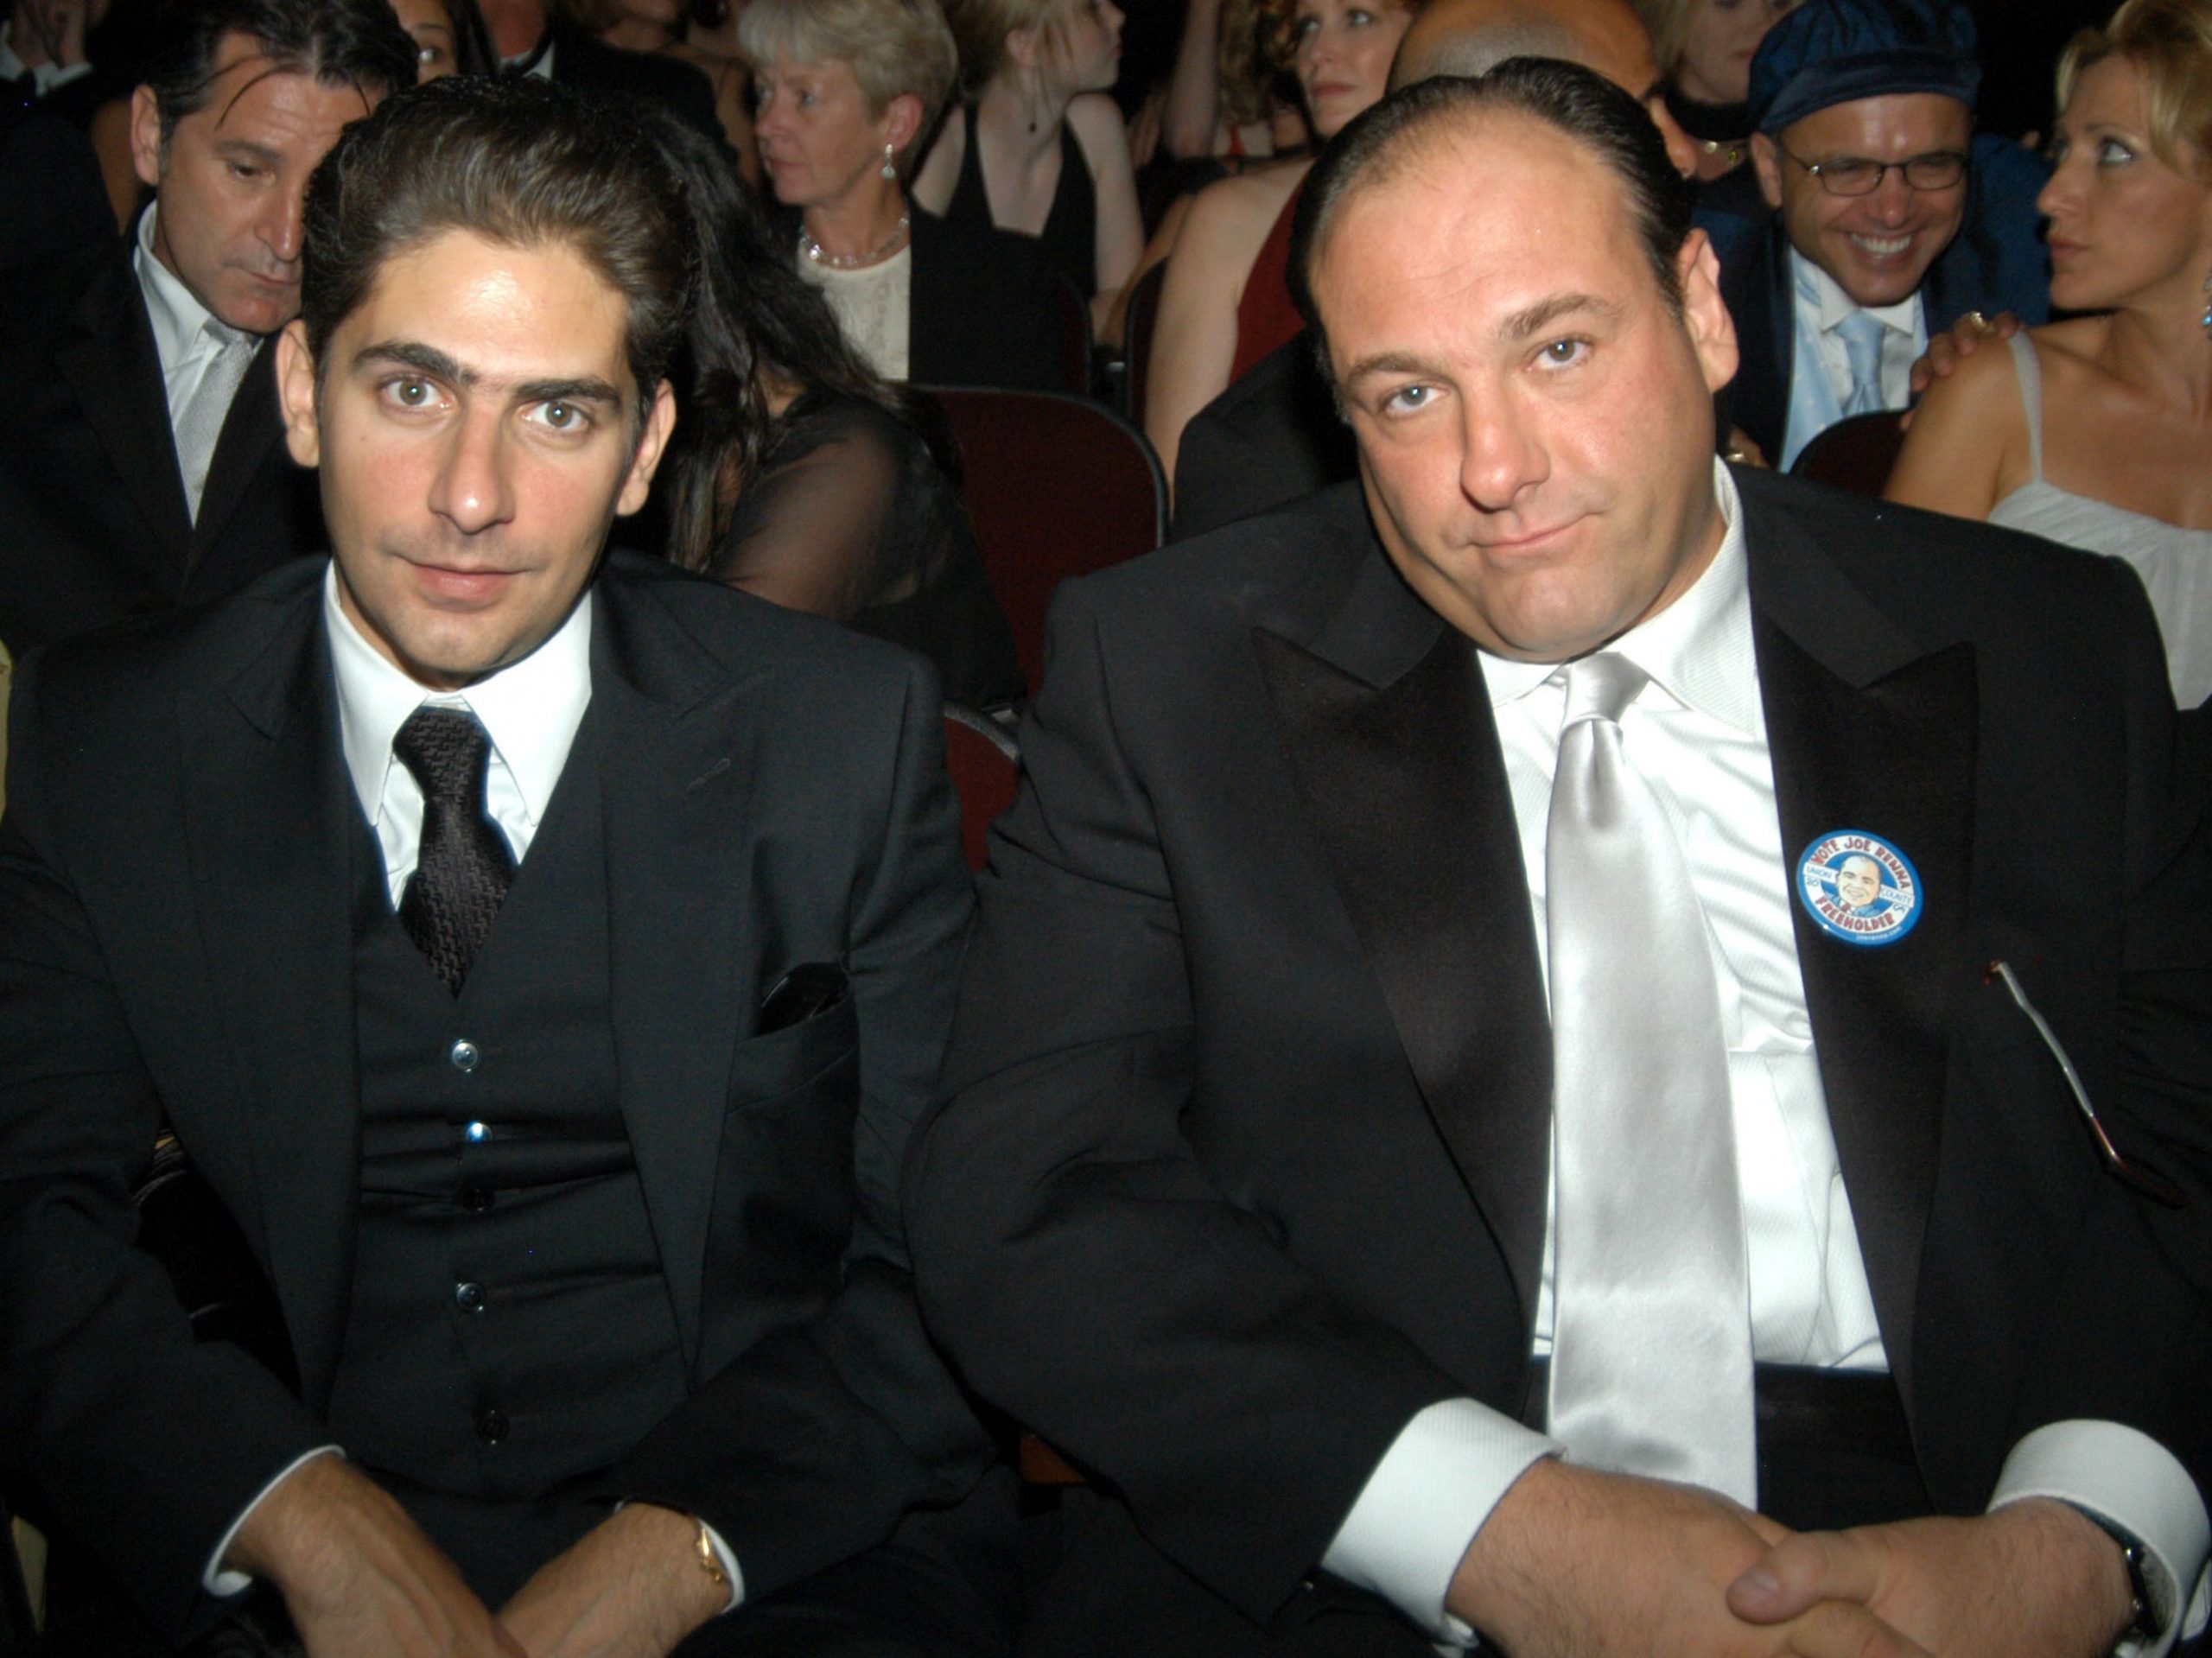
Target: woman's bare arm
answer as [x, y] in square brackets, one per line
[1967, 446]
[1095, 120]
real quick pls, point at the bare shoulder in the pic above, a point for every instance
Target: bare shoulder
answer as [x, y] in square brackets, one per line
[1095, 120]
[939, 172]
[1245, 204]
[1968, 447]
[2071, 352]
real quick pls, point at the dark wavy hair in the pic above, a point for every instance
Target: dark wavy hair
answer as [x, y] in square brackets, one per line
[356, 43]
[757, 328]
[517, 161]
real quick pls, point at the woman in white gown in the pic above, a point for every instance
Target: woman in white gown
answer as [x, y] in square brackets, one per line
[2097, 431]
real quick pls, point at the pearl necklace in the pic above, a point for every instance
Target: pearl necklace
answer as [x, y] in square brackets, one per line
[817, 254]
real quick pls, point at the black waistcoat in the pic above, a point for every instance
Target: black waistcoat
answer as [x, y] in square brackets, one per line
[510, 1333]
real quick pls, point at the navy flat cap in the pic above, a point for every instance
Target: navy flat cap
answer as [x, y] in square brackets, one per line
[1838, 51]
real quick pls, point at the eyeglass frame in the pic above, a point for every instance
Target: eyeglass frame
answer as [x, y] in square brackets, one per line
[1821, 170]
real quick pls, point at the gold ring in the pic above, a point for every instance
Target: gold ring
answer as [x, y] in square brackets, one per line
[1734, 456]
[1980, 322]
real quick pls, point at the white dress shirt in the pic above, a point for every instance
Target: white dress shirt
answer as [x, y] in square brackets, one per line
[531, 709]
[187, 336]
[1820, 381]
[1698, 735]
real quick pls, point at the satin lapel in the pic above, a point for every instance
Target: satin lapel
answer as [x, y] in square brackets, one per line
[678, 731]
[1389, 733]
[251, 428]
[1871, 733]
[110, 363]
[269, 820]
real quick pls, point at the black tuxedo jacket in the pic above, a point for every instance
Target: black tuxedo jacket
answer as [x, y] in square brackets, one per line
[176, 939]
[1248, 1160]
[94, 523]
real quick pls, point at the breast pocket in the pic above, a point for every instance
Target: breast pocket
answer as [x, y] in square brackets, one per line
[783, 1191]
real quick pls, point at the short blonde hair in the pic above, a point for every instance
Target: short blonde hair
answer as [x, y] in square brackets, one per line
[2170, 43]
[1670, 22]
[892, 47]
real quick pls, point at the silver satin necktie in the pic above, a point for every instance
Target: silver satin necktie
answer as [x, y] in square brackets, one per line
[1862, 333]
[200, 424]
[1651, 1353]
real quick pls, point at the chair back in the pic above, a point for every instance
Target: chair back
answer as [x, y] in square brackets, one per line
[1854, 453]
[984, 766]
[1056, 486]
[1137, 319]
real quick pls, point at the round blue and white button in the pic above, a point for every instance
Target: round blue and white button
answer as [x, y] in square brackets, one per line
[1859, 887]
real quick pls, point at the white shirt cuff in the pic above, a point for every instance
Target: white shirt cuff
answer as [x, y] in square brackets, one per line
[2128, 1478]
[218, 1581]
[1425, 1502]
[729, 1566]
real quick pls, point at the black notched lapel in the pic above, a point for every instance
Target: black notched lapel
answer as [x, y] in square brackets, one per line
[1387, 726]
[269, 825]
[1871, 731]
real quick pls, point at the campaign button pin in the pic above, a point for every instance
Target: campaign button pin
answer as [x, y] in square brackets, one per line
[1859, 887]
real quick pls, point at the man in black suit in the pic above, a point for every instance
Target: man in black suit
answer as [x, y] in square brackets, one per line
[141, 463]
[542, 958]
[1245, 1200]
[532, 41]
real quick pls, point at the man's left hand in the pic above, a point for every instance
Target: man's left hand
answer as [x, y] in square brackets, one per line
[2034, 1579]
[631, 1587]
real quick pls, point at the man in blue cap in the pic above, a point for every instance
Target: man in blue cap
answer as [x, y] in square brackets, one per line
[1891, 221]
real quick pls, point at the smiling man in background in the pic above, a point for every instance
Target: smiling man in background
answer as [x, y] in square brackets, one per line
[1890, 220]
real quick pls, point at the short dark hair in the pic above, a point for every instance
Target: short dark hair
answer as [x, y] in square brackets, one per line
[356, 43]
[1577, 102]
[517, 161]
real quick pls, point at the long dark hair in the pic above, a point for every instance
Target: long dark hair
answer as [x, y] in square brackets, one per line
[755, 325]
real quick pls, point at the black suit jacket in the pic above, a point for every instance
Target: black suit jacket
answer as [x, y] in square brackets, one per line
[176, 940]
[94, 523]
[1248, 1160]
[593, 66]
[1273, 435]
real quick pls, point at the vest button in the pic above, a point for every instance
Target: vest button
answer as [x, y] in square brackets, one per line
[491, 1426]
[469, 1297]
[476, 1200]
[463, 1055]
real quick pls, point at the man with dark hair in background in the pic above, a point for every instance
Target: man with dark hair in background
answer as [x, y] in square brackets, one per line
[141, 462]
[541, 953]
[1421, 1141]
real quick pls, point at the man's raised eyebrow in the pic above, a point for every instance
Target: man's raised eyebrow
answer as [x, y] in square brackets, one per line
[589, 389]
[412, 353]
[1386, 362]
[1541, 315]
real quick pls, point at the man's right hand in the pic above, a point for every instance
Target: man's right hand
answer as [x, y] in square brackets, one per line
[1573, 1563]
[358, 1576]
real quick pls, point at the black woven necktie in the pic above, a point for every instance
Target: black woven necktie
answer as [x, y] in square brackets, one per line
[463, 869]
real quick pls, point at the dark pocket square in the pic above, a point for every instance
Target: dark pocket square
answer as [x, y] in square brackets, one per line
[809, 988]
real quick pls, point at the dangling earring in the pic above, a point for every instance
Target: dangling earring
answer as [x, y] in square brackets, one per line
[2206, 318]
[890, 164]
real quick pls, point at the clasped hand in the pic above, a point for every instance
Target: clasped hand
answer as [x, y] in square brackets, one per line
[1574, 1563]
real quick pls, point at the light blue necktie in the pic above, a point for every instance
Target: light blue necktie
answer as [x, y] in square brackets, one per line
[1861, 333]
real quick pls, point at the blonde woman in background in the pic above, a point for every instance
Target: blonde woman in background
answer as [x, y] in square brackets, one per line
[1704, 48]
[2097, 431]
[1039, 147]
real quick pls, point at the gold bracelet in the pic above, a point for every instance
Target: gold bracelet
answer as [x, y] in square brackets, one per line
[710, 1562]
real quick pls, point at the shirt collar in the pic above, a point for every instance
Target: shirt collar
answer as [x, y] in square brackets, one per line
[12, 67]
[1698, 650]
[1823, 295]
[182, 326]
[531, 708]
